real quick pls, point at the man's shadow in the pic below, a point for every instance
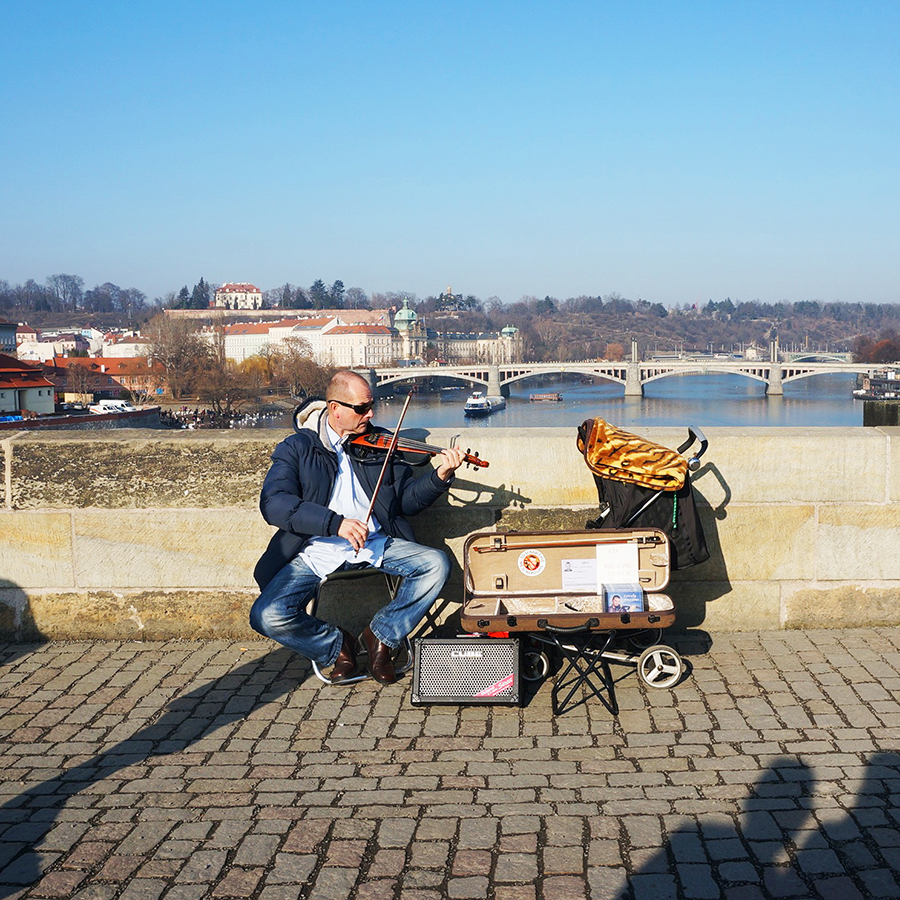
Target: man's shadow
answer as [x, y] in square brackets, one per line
[783, 845]
[17, 623]
[27, 817]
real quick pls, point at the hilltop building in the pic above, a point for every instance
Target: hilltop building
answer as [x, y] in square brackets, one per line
[238, 295]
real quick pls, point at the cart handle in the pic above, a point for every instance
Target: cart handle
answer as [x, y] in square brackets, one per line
[567, 629]
[694, 434]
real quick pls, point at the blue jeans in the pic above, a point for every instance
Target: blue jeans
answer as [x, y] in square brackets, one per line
[280, 610]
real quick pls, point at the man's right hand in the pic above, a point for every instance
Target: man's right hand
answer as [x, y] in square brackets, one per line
[354, 531]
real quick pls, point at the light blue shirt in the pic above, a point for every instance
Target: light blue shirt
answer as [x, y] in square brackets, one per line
[325, 554]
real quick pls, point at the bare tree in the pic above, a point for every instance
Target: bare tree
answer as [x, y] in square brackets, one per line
[295, 370]
[81, 382]
[177, 344]
[355, 298]
[67, 289]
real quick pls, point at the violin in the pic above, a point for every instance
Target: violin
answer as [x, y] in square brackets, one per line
[376, 440]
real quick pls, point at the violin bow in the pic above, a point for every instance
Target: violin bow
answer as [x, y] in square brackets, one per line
[387, 458]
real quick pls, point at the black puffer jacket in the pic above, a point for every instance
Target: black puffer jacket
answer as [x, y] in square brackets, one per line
[298, 486]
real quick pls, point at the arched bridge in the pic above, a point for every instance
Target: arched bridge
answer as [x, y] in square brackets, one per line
[496, 379]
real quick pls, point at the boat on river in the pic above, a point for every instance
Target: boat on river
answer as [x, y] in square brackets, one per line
[545, 398]
[480, 405]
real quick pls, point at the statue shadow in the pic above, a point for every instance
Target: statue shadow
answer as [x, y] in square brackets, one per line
[27, 817]
[783, 844]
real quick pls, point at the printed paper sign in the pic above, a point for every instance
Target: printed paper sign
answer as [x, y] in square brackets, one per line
[618, 562]
[579, 575]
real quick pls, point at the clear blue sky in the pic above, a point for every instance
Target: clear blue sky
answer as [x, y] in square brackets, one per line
[671, 151]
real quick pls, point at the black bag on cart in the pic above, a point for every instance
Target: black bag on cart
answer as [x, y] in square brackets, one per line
[623, 465]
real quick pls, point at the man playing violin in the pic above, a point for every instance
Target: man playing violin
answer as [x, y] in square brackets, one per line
[318, 492]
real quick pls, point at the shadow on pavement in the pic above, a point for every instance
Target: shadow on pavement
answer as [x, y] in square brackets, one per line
[185, 720]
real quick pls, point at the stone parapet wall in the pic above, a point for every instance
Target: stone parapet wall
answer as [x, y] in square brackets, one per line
[153, 535]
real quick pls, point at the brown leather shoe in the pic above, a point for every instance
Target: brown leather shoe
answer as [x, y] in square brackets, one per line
[346, 665]
[380, 662]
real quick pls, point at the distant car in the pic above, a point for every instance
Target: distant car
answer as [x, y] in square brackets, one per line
[111, 406]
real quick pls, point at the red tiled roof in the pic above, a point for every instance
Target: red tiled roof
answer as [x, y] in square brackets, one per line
[15, 373]
[237, 286]
[247, 328]
[8, 382]
[11, 364]
[311, 323]
[117, 366]
[359, 329]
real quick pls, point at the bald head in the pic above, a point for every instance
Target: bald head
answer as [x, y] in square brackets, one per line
[349, 401]
[346, 386]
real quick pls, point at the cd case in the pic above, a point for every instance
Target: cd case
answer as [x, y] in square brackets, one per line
[619, 598]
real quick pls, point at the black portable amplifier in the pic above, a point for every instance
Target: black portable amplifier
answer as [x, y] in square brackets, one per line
[466, 670]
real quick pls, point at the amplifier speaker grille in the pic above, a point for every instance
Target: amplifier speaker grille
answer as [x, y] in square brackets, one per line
[466, 670]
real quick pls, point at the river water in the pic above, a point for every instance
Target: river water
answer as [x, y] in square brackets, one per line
[702, 400]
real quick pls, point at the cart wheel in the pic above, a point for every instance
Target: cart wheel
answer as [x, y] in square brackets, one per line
[645, 638]
[535, 665]
[660, 667]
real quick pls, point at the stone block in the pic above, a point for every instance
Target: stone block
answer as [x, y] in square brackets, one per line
[783, 465]
[143, 615]
[151, 548]
[840, 606]
[548, 471]
[892, 436]
[756, 543]
[726, 606]
[36, 548]
[857, 542]
[131, 469]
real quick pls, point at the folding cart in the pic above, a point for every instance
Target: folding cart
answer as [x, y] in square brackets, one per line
[560, 590]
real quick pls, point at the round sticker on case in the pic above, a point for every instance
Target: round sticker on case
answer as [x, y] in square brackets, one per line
[532, 562]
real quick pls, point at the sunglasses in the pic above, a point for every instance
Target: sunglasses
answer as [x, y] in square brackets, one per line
[359, 408]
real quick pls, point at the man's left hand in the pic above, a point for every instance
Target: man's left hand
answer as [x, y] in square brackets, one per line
[449, 461]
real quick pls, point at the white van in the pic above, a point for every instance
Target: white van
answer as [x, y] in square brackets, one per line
[111, 406]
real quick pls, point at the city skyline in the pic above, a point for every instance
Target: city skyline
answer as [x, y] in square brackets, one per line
[671, 152]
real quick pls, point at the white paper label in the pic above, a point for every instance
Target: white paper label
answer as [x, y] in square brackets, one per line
[618, 562]
[579, 575]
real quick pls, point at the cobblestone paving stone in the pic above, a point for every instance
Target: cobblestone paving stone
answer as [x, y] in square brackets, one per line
[183, 771]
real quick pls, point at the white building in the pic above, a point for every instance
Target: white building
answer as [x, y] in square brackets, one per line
[353, 346]
[245, 339]
[24, 388]
[238, 295]
[123, 346]
[44, 350]
[313, 331]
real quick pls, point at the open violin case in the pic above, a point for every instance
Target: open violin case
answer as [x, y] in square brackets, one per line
[527, 581]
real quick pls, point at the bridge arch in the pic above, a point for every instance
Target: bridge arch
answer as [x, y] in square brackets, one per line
[704, 370]
[586, 371]
[419, 374]
[812, 373]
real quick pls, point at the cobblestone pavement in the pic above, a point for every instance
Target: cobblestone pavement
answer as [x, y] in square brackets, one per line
[218, 770]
